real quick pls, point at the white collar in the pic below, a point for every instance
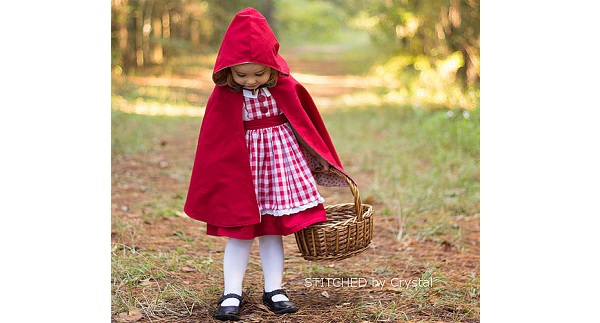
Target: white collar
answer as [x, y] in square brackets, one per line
[249, 94]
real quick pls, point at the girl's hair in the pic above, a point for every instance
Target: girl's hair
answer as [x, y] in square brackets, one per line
[225, 77]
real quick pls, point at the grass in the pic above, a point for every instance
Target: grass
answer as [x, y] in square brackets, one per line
[132, 133]
[145, 281]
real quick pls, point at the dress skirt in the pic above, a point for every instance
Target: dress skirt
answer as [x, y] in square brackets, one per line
[272, 225]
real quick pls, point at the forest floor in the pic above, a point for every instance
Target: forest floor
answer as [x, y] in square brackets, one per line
[392, 281]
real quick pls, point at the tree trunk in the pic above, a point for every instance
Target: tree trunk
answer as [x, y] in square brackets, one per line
[139, 38]
[166, 31]
[156, 40]
[268, 13]
[195, 32]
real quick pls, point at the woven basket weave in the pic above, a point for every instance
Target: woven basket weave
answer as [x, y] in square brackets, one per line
[347, 232]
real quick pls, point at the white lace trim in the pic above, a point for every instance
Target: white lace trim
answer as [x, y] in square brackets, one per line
[293, 210]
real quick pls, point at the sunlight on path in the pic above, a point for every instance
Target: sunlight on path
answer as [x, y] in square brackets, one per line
[155, 109]
[327, 91]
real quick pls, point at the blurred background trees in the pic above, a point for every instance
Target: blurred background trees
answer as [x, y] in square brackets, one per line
[425, 48]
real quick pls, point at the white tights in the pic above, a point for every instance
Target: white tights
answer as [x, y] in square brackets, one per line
[235, 261]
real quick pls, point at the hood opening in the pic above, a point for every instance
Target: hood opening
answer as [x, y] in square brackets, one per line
[248, 39]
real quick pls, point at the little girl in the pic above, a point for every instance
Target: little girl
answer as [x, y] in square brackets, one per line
[261, 136]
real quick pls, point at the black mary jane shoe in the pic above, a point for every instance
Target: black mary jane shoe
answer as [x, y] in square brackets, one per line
[228, 313]
[281, 307]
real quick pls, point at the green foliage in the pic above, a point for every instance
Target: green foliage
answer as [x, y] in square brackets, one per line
[418, 80]
[302, 21]
[431, 52]
[432, 48]
[438, 31]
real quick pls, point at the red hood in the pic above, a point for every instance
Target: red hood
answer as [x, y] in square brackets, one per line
[249, 39]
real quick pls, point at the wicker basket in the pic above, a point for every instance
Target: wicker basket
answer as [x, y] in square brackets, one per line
[347, 232]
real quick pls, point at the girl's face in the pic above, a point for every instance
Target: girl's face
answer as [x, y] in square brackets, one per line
[250, 75]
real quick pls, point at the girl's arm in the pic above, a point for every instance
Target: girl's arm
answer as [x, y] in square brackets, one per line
[320, 159]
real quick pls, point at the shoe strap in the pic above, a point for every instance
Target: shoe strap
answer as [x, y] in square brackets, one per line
[231, 295]
[269, 295]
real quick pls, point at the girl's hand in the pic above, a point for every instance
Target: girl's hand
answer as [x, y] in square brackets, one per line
[323, 163]
[320, 159]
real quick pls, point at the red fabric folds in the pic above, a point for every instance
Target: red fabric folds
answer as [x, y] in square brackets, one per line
[221, 191]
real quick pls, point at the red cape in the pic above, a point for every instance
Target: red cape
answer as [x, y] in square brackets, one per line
[221, 191]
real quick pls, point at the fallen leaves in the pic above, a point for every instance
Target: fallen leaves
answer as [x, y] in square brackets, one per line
[133, 315]
[188, 269]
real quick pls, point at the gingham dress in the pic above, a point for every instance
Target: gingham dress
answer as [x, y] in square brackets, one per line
[282, 179]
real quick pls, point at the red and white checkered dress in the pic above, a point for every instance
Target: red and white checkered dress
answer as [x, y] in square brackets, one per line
[282, 179]
[287, 194]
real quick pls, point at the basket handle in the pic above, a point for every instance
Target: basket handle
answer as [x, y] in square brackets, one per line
[351, 184]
